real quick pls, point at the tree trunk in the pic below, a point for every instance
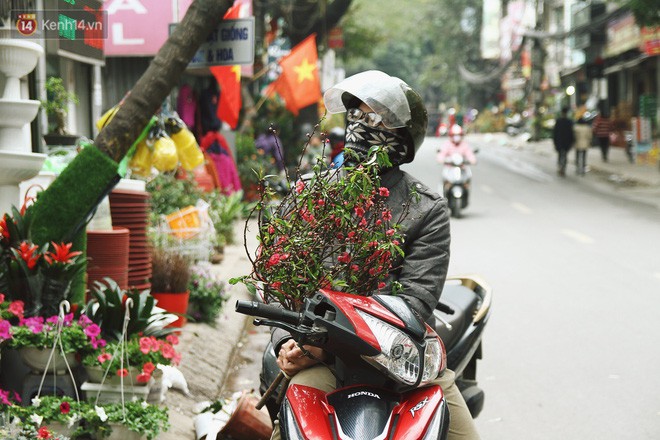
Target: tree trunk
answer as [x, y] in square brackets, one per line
[162, 75]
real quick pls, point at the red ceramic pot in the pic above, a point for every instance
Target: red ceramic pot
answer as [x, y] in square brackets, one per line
[174, 303]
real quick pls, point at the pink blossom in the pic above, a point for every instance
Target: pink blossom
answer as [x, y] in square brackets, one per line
[363, 222]
[359, 211]
[122, 372]
[92, 331]
[389, 232]
[172, 339]
[4, 397]
[168, 351]
[97, 342]
[145, 345]
[383, 191]
[103, 357]
[300, 186]
[5, 330]
[35, 324]
[52, 320]
[68, 319]
[16, 308]
[387, 215]
[381, 285]
[344, 258]
[273, 260]
[2, 297]
[84, 321]
[271, 229]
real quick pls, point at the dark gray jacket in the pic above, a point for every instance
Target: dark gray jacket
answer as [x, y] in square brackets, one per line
[423, 270]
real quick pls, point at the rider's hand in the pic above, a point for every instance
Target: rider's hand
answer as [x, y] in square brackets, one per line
[291, 358]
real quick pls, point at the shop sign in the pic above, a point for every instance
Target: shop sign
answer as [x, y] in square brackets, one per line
[622, 35]
[650, 40]
[231, 43]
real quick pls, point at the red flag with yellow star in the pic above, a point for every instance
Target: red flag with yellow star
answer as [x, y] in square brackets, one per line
[299, 83]
[229, 80]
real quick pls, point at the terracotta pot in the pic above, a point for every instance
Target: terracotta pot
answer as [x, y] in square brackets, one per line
[174, 303]
[247, 422]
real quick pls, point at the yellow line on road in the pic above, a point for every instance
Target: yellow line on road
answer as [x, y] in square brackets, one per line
[524, 209]
[577, 236]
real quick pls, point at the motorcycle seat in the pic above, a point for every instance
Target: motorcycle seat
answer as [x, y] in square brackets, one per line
[457, 306]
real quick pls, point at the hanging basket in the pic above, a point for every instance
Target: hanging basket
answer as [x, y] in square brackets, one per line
[37, 359]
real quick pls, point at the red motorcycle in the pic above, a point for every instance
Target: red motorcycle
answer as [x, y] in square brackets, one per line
[385, 361]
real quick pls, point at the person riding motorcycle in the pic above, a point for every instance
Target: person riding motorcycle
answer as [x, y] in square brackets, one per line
[384, 110]
[455, 145]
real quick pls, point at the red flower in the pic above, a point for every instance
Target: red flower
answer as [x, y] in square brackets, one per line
[344, 258]
[16, 308]
[27, 253]
[123, 372]
[359, 211]
[143, 377]
[148, 367]
[381, 285]
[62, 253]
[44, 433]
[300, 186]
[65, 408]
[3, 228]
[389, 232]
[387, 215]
[383, 191]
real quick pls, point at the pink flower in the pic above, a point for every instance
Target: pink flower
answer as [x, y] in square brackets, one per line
[389, 232]
[359, 211]
[84, 321]
[44, 433]
[4, 397]
[383, 191]
[172, 339]
[143, 377]
[271, 229]
[96, 343]
[148, 367]
[35, 324]
[92, 331]
[52, 320]
[344, 258]
[300, 186]
[104, 357]
[2, 298]
[387, 215]
[273, 260]
[381, 285]
[16, 308]
[122, 372]
[5, 330]
[168, 351]
[276, 285]
[145, 345]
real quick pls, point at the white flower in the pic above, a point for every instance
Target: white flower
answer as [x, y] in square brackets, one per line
[101, 413]
[144, 404]
[73, 420]
[36, 419]
[36, 402]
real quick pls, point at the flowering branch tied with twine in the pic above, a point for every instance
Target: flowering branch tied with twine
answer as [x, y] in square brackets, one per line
[334, 230]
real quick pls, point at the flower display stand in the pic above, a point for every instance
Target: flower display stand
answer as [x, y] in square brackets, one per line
[109, 391]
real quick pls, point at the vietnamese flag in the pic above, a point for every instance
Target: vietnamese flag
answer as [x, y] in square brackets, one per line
[229, 80]
[299, 84]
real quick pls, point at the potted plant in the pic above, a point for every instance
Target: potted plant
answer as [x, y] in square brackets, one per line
[51, 415]
[40, 276]
[57, 108]
[129, 421]
[169, 282]
[207, 294]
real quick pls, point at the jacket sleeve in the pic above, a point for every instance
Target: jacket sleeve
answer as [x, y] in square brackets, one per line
[424, 268]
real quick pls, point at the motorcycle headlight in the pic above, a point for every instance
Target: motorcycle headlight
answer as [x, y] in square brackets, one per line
[399, 356]
[432, 359]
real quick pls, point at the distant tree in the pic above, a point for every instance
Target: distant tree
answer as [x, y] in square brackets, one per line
[646, 12]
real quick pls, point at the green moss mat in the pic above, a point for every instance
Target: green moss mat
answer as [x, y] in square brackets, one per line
[62, 210]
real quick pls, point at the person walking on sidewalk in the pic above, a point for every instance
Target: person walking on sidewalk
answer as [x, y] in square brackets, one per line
[582, 143]
[602, 127]
[563, 138]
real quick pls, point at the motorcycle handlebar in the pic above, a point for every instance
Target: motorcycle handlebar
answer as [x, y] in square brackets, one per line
[254, 308]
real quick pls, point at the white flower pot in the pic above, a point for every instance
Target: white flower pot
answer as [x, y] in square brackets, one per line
[37, 359]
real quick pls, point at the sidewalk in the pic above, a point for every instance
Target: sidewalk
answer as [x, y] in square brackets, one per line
[637, 181]
[207, 351]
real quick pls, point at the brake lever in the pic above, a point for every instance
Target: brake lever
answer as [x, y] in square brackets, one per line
[312, 336]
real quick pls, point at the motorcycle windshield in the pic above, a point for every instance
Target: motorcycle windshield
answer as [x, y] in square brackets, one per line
[363, 412]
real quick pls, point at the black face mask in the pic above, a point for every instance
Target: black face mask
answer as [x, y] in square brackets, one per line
[360, 138]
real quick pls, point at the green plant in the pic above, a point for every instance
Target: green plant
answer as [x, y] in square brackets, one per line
[224, 210]
[31, 273]
[170, 271]
[143, 353]
[108, 308]
[333, 230]
[207, 294]
[141, 417]
[57, 103]
[170, 194]
[41, 333]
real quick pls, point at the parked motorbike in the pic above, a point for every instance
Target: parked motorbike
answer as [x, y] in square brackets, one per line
[385, 360]
[456, 177]
[515, 125]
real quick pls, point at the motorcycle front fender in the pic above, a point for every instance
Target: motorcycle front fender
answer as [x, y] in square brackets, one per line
[361, 412]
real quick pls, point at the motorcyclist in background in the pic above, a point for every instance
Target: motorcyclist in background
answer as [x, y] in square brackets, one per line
[384, 110]
[456, 144]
